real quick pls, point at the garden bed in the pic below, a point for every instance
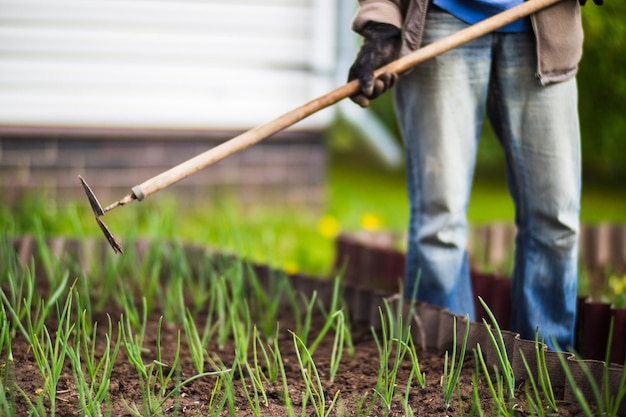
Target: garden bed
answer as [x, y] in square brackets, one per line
[374, 261]
[200, 333]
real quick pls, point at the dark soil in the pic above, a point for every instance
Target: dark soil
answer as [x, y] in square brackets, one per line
[355, 381]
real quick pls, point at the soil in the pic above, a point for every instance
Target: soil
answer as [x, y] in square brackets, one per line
[356, 378]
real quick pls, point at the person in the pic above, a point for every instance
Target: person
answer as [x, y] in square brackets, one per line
[523, 78]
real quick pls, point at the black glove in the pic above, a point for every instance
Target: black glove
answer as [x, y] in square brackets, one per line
[381, 43]
[597, 2]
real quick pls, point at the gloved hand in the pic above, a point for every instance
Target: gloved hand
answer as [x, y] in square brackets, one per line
[381, 43]
[597, 2]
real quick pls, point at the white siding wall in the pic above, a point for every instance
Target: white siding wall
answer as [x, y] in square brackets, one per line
[216, 64]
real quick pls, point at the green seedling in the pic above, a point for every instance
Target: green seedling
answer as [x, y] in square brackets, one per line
[92, 383]
[476, 409]
[216, 402]
[150, 276]
[308, 316]
[265, 305]
[361, 409]
[51, 265]
[241, 329]
[50, 354]
[153, 378]
[19, 281]
[292, 301]
[531, 392]
[153, 381]
[406, 406]
[269, 354]
[538, 393]
[416, 373]
[224, 385]
[544, 376]
[35, 313]
[534, 403]
[111, 277]
[505, 368]
[84, 306]
[338, 343]
[197, 349]
[247, 373]
[18, 301]
[420, 377]
[7, 406]
[334, 319]
[612, 404]
[393, 333]
[5, 333]
[337, 320]
[497, 392]
[313, 384]
[8, 257]
[222, 301]
[605, 404]
[163, 378]
[7, 398]
[578, 394]
[138, 320]
[197, 284]
[281, 367]
[452, 368]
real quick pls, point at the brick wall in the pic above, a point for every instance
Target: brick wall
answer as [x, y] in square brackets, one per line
[286, 169]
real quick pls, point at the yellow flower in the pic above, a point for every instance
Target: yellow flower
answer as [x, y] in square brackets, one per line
[617, 284]
[370, 222]
[290, 267]
[328, 227]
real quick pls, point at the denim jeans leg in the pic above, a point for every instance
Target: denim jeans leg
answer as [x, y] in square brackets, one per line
[439, 108]
[539, 131]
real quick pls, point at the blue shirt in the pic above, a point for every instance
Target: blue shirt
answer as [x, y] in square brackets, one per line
[473, 11]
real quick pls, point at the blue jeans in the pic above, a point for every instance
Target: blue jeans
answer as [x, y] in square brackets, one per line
[440, 106]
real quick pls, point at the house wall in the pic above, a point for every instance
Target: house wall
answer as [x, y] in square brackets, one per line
[285, 169]
[189, 64]
[120, 90]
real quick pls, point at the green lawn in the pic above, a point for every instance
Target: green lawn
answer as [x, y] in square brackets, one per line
[356, 189]
[362, 195]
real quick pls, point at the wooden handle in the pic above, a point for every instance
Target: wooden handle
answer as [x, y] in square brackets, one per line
[266, 130]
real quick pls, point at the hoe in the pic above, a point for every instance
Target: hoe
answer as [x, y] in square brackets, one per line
[257, 134]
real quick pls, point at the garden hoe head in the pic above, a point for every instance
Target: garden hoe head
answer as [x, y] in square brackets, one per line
[98, 211]
[253, 136]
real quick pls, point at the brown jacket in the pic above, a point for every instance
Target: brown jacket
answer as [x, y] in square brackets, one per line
[558, 31]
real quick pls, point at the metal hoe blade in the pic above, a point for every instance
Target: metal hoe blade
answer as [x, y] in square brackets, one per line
[99, 212]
